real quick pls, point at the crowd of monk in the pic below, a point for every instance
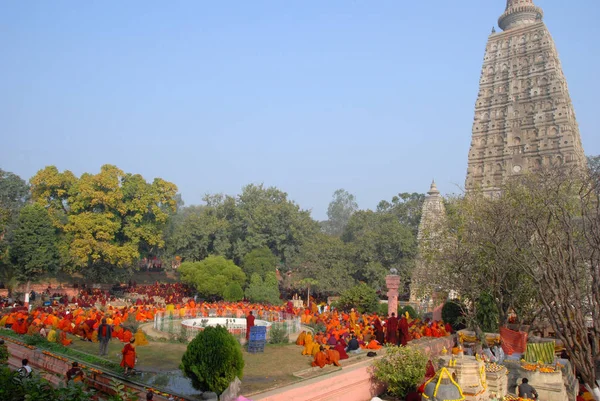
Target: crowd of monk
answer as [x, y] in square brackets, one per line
[344, 331]
[353, 332]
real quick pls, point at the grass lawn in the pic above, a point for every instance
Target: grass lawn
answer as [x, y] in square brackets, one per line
[262, 371]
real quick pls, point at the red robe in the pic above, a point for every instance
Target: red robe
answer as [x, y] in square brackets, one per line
[391, 328]
[249, 324]
[403, 331]
[128, 359]
[340, 348]
[320, 359]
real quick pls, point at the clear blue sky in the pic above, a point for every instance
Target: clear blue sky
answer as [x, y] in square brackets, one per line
[375, 97]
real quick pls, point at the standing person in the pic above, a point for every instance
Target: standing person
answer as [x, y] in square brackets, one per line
[128, 359]
[249, 324]
[526, 390]
[104, 336]
[391, 330]
[403, 331]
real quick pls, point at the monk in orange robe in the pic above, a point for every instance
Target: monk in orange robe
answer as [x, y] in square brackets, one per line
[63, 339]
[333, 357]
[127, 335]
[128, 359]
[320, 359]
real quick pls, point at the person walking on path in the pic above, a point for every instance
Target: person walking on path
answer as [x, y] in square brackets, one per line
[104, 336]
[128, 359]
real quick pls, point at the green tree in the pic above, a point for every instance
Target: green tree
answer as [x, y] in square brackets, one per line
[265, 217]
[487, 313]
[401, 369]
[379, 242]
[107, 220]
[261, 261]
[33, 251]
[266, 291]
[199, 231]
[14, 193]
[211, 276]
[233, 292]
[213, 360]
[407, 207]
[339, 212]
[361, 297]
[453, 313]
[327, 260]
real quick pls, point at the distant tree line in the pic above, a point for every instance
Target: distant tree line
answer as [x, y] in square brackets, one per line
[102, 224]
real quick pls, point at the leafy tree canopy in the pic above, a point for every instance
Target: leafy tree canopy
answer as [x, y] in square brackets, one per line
[107, 219]
[361, 297]
[33, 251]
[407, 207]
[211, 276]
[266, 291]
[379, 242]
[260, 261]
[339, 211]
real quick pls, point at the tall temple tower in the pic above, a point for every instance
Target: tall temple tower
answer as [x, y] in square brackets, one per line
[524, 117]
[433, 218]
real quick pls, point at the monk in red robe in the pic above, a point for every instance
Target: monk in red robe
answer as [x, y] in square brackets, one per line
[128, 359]
[403, 331]
[249, 324]
[341, 350]
[391, 329]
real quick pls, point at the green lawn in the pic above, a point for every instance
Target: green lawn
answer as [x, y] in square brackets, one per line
[262, 371]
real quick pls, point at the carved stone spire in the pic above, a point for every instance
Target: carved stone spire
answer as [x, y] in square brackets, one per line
[524, 116]
[433, 211]
[519, 13]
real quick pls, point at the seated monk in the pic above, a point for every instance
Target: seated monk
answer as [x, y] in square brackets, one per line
[52, 336]
[64, 340]
[127, 336]
[315, 348]
[320, 358]
[374, 345]
[308, 344]
[341, 349]
[140, 338]
[333, 356]
[300, 339]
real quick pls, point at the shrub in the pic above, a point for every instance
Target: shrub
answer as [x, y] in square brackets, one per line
[278, 334]
[402, 369]
[411, 312]
[233, 292]
[453, 313]
[487, 314]
[263, 291]
[382, 309]
[362, 297]
[3, 353]
[213, 360]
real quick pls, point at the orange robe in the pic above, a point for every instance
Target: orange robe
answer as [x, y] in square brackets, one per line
[320, 359]
[64, 340]
[333, 357]
[128, 359]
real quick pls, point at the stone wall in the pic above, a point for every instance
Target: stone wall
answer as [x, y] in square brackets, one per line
[351, 383]
[54, 369]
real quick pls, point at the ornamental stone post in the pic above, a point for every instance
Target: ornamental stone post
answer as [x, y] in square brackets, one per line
[392, 282]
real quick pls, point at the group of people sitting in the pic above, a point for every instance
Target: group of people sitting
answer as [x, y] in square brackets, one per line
[354, 332]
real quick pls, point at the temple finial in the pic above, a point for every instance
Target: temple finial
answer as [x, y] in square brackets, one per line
[433, 189]
[519, 13]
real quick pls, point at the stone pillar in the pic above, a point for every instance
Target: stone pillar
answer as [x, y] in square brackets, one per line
[392, 283]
